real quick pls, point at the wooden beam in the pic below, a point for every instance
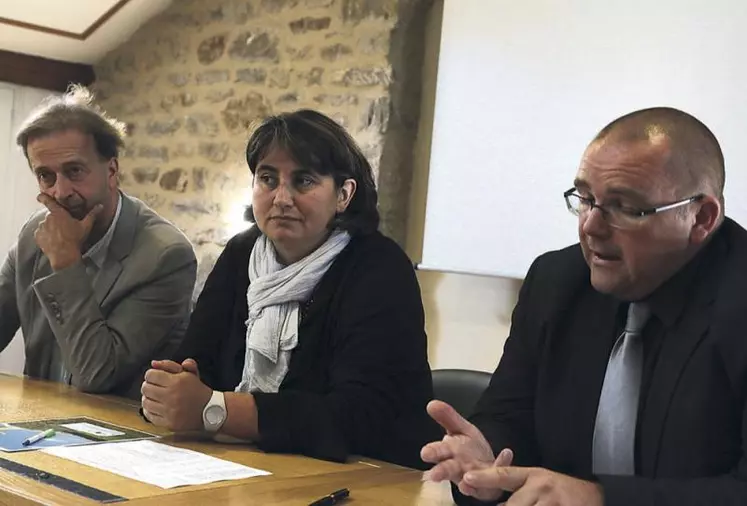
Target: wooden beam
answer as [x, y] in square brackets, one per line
[64, 33]
[39, 72]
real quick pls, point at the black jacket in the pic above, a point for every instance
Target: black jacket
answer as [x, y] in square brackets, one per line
[359, 379]
[692, 432]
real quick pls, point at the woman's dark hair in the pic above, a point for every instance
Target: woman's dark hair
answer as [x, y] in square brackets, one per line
[318, 143]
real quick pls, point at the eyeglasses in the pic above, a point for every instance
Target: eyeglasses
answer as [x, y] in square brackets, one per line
[616, 215]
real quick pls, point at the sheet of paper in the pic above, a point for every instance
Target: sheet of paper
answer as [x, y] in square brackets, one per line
[94, 430]
[155, 463]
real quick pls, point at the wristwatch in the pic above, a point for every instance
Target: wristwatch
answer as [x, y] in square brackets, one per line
[214, 412]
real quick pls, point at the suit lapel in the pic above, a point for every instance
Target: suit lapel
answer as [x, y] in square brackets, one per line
[119, 248]
[105, 280]
[680, 342]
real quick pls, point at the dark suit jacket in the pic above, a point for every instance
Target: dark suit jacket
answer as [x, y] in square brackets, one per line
[359, 379]
[543, 397]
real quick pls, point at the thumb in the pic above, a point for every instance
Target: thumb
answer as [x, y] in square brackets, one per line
[189, 365]
[90, 218]
[509, 479]
[448, 418]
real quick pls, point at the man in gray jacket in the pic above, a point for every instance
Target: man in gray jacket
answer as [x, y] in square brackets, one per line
[98, 282]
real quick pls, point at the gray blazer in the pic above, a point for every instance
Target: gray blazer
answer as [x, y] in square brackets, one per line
[107, 332]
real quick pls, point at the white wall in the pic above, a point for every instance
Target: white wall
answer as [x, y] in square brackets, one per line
[522, 88]
[467, 317]
[18, 189]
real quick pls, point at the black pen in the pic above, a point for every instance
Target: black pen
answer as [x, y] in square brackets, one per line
[333, 498]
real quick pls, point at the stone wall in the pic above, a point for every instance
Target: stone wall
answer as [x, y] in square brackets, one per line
[191, 83]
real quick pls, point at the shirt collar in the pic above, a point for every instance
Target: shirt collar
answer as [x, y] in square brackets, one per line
[97, 252]
[668, 301]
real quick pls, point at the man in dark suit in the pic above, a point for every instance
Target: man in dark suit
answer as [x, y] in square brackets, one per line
[624, 379]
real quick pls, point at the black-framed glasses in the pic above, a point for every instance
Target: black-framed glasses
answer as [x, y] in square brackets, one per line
[620, 216]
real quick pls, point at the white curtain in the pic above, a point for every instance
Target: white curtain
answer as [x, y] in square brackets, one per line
[18, 189]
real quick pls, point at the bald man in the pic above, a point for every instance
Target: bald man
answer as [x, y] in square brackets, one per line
[624, 379]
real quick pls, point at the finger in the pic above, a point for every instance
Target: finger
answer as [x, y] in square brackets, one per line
[167, 366]
[505, 458]
[49, 203]
[435, 452]
[160, 378]
[90, 218]
[189, 365]
[525, 496]
[449, 419]
[467, 489]
[504, 478]
[448, 470]
[154, 392]
[152, 408]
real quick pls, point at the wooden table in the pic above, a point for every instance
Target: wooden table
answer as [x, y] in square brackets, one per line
[295, 480]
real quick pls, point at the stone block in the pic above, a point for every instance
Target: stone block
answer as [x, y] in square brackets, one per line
[216, 152]
[195, 208]
[199, 175]
[240, 113]
[336, 100]
[318, 4]
[374, 44]
[215, 96]
[355, 11]
[183, 150]
[376, 116]
[211, 49]
[179, 79]
[309, 24]
[163, 128]
[279, 78]
[312, 77]
[174, 180]
[273, 6]
[183, 99]
[254, 46]
[362, 77]
[212, 77]
[202, 125]
[300, 53]
[335, 52]
[287, 99]
[154, 152]
[145, 175]
[251, 76]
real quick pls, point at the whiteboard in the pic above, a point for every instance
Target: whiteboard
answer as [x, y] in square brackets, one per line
[522, 88]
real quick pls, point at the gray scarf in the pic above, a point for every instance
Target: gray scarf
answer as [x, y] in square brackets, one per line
[273, 299]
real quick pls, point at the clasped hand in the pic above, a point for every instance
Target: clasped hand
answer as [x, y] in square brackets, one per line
[465, 458]
[173, 395]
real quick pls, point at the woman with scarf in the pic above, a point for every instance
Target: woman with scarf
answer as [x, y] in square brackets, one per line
[308, 336]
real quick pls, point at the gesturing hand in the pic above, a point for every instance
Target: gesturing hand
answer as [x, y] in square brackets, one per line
[462, 450]
[60, 236]
[532, 486]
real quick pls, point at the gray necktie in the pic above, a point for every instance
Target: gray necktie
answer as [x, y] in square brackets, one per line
[614, 431]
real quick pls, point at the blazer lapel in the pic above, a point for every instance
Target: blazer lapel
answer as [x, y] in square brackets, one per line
[680, 342]
[105, 280]
[119, 248]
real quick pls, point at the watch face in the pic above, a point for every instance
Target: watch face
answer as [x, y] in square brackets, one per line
[214, 414]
